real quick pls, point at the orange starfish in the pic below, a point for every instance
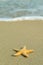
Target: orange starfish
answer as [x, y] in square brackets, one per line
[23, 52]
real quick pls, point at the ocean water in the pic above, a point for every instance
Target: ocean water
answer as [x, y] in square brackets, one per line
[20, 8]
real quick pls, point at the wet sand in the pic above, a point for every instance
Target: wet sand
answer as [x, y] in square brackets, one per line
[16, 35]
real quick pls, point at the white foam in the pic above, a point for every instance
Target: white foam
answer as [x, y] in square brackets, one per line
[21, 18]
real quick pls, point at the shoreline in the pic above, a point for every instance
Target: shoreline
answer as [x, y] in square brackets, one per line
[22, 18]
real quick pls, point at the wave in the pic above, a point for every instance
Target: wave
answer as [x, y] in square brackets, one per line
[22, 18]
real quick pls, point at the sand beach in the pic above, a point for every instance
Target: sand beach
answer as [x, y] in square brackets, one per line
[16, 35]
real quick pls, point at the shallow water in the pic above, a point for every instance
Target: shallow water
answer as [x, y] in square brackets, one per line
[18, 8]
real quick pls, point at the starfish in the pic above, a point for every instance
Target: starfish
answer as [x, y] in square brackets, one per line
[23, 52]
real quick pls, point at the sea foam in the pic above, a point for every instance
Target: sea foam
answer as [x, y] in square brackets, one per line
[21, 18]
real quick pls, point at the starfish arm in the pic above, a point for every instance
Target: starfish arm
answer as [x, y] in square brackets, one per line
[29, 51]
[18, 53]
[24, 47]
[25, 54]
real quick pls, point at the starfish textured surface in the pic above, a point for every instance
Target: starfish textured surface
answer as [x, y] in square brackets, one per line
[23, 52]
